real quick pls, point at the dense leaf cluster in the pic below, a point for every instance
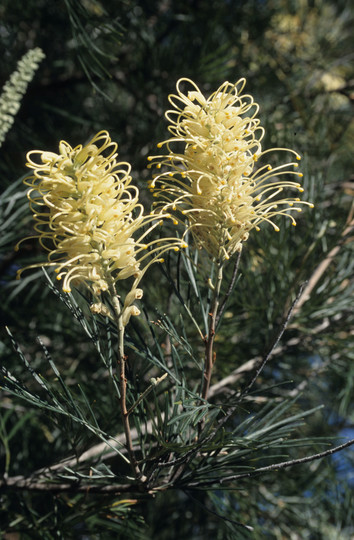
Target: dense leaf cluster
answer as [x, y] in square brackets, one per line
[111, 65]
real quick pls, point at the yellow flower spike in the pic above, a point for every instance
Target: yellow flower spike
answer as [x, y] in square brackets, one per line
[213, 181]
[88, 216]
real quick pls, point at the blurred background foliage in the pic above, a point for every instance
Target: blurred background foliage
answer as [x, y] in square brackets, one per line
[111, 65]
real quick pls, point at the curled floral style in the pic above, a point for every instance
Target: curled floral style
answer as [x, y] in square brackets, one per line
[209, 174]
[88, 217]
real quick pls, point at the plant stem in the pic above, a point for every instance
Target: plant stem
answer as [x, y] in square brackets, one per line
[154, 382]
[123, 382]
[209, 341]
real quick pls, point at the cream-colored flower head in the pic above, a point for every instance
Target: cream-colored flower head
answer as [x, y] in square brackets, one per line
[88, 216]
[213, 180]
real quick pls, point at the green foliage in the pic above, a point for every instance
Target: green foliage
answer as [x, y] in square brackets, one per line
[60, 423]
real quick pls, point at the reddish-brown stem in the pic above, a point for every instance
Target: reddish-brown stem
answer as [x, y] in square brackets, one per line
[209, 340]
[123, 385]
[125, 416]
[209, 356]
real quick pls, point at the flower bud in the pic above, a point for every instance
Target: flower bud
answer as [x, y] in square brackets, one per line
[129, 312]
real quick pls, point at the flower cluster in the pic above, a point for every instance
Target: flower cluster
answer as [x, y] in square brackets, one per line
[15, 88]
[87, 215]
[213, 180]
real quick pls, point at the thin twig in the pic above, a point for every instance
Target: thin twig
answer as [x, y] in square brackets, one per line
[273, 344]
[276, 466]
[287, 464]
[259, 369]
[21, 483]
[239, 372]
[28, 484]
[123, 382]
[209, 342]
[322, 267]
[154, 383]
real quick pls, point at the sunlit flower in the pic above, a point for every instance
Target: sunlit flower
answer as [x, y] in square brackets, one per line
[213, 181]
[88, 217]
